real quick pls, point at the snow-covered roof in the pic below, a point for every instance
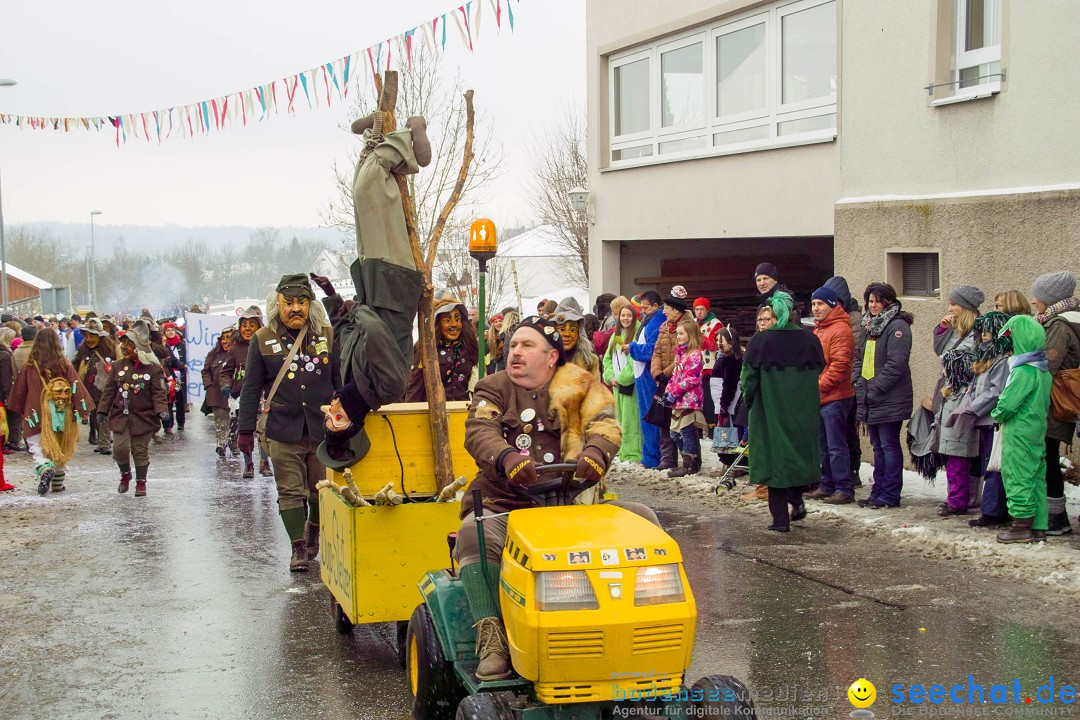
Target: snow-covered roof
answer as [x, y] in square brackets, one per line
[23, 276]
[541, 241]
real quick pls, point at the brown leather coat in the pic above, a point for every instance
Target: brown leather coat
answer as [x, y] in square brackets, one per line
[134, 396]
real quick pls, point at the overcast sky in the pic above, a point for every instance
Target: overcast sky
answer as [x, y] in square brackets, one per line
[73, 58]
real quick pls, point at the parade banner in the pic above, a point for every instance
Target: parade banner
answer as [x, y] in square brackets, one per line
[201, 333]
[315, 86]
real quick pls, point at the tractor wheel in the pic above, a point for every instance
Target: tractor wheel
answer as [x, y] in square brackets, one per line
[342, 623]
[725, 696]
[402, 638]
[484, 706]
[432, 684]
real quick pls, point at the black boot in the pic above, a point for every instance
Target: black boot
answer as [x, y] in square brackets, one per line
[299, 561]
[249, 466]
[682, 471]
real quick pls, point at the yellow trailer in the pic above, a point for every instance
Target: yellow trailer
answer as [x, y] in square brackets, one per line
[372, 556]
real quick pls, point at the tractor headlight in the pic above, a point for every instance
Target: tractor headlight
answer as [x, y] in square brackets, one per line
[565, 590]
[657, 584]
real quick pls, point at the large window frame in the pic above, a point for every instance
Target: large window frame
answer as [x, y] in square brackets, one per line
[704, 139]
[988, 57]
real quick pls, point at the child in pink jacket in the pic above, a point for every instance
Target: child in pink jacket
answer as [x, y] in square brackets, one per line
[686, 395]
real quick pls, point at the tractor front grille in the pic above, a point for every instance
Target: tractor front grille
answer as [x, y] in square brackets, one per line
[572, 644]
[657, 638]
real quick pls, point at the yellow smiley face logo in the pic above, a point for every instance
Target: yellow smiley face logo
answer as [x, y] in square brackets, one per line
[862, 693]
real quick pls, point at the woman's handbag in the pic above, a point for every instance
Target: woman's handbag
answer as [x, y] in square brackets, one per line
[725, 437]
[994, 462]
[626, 389]
[659, 413]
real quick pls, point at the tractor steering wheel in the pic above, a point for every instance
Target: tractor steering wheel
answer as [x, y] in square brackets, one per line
[560, 490]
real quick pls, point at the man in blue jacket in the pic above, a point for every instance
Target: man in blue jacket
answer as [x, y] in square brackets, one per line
[641, 351]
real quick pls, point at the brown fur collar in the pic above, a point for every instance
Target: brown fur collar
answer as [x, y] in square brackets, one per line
[586, 410]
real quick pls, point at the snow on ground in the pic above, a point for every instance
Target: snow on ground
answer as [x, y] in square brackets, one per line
[914, 527]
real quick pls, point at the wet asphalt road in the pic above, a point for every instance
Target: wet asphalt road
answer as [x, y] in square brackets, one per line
[180, 604]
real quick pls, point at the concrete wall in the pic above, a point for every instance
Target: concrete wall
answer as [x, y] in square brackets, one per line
[768, 193]
[996, 243]
[894, 142]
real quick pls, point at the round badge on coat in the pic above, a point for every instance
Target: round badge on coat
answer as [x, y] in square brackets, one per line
[548, 457]
[309, 367]
[292, 375]
[527, 414]
[524, 442]
[293, 367]
[122, 373]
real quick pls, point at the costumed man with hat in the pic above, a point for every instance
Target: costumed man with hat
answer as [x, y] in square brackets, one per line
[662, 364]
[539, 411]
[579, 351]
[246, 327]
[288, 362]
[134, 403]
[217, 377]
[93, 361]
[458, 348]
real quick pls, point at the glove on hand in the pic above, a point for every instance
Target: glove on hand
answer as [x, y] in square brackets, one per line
[163, 416]
[669, 399]
[226, 392]
[591, 464]
[102, 419]
[246, 443]
[519, 469]
[324, 284]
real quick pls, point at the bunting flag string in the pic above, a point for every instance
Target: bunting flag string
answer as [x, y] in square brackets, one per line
[259, 103]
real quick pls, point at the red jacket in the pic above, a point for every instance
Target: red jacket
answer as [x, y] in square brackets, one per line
[838, 344]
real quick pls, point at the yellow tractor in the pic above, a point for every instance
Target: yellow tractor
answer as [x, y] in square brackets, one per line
[599, 617]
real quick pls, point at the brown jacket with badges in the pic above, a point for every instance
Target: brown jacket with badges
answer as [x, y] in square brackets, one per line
[139, 390]
[295, 408]
[456, 365]
[25, 396]
[94, 364]
[553, 424]
[238, 352]
[217, 373]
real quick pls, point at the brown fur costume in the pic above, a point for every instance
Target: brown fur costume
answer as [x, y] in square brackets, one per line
[585, 407]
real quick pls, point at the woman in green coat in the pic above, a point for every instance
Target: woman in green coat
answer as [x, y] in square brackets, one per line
[1021, 412]
[780, 387]
[619, 374]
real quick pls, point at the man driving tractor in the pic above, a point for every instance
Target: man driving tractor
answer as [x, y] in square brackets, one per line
[539, 411]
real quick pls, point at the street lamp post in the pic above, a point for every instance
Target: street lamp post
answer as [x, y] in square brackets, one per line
[93, 266]
[3, 260]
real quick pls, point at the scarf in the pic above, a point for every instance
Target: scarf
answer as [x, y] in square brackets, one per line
[1056, 309]
[874, 325]
[1036, 359]
[174, 340]
[708, 316]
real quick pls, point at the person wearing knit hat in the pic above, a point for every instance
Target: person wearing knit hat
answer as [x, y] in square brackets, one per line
[709, 326]
[956, 325]
[249, 323]
[767, 280]
[839, 285]
[1059, 313]
[967, 296]
[662, 365]
[833, 329]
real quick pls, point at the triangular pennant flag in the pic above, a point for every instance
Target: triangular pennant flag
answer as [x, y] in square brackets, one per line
[476, 19]
[303, 82]
[510, 14]
[462, 20]
[408, 44]
[314, 86]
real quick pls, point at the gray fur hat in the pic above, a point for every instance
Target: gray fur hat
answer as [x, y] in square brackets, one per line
[139, 334]
[967, 296]
[568, 310]
[1054, 287]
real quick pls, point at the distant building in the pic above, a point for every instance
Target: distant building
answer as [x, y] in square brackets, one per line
[533, 265]
[24, 290]
[334, 266]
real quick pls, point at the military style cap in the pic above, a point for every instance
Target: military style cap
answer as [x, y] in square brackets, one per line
[296, 285]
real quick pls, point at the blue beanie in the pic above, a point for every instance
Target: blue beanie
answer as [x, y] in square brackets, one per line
[826, 295]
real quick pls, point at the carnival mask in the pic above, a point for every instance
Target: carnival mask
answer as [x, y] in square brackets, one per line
[293, 310]
[450, 325]
[227, 339]
[248, 328]
[569, 333]
[59, 392]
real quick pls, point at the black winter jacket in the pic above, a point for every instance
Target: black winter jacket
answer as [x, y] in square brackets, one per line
[888, 396]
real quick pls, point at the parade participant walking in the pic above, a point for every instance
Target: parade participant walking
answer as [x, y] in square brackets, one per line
[217, 377]
[134, 403]
[881, 374]
[710, 327]
[686, 397]
[509, 432]
[833, 328]
[247, 326]
[456, 343]
[289, 363]
[641, 352]
[93, 361]
[1059, 313]
[780, 387]
[1022, 411]
[662, 364]
[569, 321]
[619, 374]
[954, 342]
[174, 343]
[52, 401]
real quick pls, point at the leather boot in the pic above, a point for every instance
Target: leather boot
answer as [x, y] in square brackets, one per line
[492, 649]
[311, 539]
[1020, 532]
[683, 470]
[125, 482]
[249, 466]
[421, 145]
[760, 492]
[299, 561]
[264, 467]
[695, 464]
[140, 488]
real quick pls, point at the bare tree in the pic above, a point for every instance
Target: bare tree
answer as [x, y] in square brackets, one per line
[559, 165]
[457, 272]
[425, 89]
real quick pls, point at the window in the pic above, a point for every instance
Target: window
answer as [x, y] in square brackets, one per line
[766, 78]
[978, 43]
[920, 274]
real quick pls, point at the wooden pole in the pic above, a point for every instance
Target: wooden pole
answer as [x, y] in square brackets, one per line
[429, 358]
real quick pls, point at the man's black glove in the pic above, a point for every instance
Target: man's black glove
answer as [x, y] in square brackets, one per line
[163, 416]
[519, 469]
[591, 465]
[102, 418]
[324, 284]
[226, 392]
